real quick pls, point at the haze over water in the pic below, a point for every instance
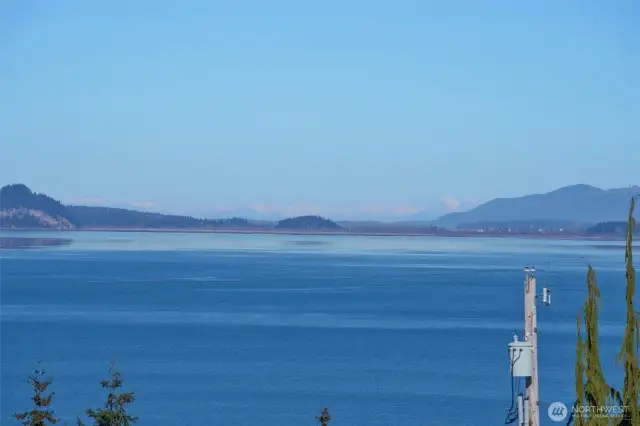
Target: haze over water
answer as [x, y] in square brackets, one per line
[252, 329]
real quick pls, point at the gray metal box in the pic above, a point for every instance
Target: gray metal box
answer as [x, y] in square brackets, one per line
[520, 359]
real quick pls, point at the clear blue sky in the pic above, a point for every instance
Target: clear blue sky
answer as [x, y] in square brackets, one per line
[345, 105]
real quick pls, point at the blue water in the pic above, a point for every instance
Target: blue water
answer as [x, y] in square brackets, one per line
[258, 329]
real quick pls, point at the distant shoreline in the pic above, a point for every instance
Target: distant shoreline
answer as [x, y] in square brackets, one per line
[344, 232]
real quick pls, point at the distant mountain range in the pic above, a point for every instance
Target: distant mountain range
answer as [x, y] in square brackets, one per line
[577, 209]
[22, 208]
[428, 214]
[274, 216]
[438, 210]
[572, 205]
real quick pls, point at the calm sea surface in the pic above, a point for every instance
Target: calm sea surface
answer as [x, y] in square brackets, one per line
[214, 329]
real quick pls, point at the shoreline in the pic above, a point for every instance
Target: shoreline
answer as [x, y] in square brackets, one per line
[346, 232]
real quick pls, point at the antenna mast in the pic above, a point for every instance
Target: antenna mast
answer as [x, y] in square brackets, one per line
[531, 335]
[524, 355]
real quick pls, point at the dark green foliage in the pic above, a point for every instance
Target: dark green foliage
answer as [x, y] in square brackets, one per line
[591, 386]
[628, 355]
[41, 414]
[19, 195]
[308, 222]
[596, 389]
[114, 412]
[580, 393]
[324, 418]
[95, 217]
[20, 201]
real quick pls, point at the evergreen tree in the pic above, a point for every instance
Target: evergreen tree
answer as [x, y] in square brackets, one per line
[628, 355]
[114, 412]
[596, 389]
[324, 417]
[41, 414]
[591, 387]
[579, 420]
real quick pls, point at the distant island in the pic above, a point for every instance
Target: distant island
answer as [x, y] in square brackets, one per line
[308, 222]
[568, 212]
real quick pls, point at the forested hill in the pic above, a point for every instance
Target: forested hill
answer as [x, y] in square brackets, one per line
[611, 228]
[308, 222]
[22, 208]
[20, 196]
[101, 217]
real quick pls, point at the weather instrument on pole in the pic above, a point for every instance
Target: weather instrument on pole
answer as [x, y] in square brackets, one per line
[546, 296]
[520, 357]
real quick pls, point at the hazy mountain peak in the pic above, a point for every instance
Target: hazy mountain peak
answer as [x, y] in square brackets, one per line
[578, 203]
[580, 188]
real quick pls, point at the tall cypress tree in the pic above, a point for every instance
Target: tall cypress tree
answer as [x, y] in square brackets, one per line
[580, 389]
[588, 369]
[591, 386]
[592, 389]
[596, 389]
[41, 414]
[628, 355]
[114, 412]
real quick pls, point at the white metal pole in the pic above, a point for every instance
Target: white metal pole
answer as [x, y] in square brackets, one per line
[530, 330]
[520, 410]
[535, 397]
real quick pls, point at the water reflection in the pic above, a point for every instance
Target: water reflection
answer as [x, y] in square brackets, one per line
[32, 242]
[309, 243]
[416, 246]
